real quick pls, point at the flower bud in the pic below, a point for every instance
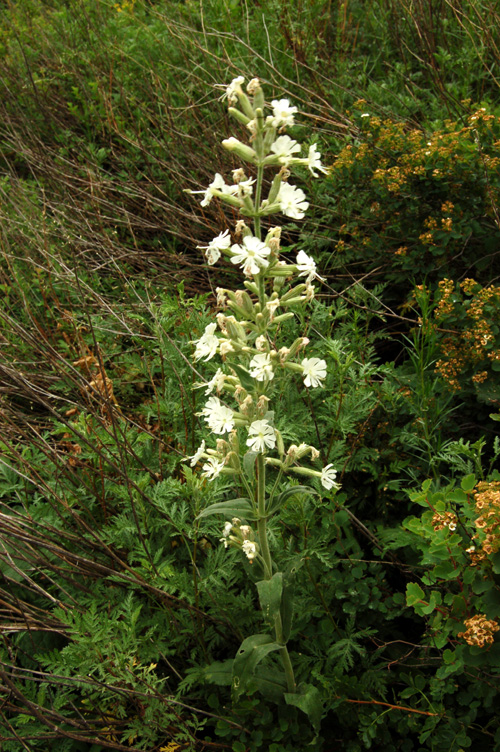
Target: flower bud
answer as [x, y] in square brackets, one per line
[241, 150]
[293, 293]
[245, 302]
[283, 317]
[231, 200]
[239, 116]
[269, 138]
[235, 329]
[273, 239]
[279, 442]
[251, 286]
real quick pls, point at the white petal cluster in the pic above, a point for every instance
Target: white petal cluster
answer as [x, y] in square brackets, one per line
[252, 255]
[314, 371]
[212, 468]
[233, 89]
[219, 417]
[216, 382]
[214, 248]
[307, 267]
[313, 161]
[249, 548]
[217, 184]
[261, 436]
[285, 147]
[328, 475]
[261, 367]
[283, 113]
[207, 345]
[292, 201]
[197, 455]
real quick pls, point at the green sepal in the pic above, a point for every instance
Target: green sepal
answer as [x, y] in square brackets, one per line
[233, 508]
[250, 654]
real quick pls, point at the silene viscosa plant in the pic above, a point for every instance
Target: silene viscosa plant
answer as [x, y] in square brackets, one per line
[238, 411]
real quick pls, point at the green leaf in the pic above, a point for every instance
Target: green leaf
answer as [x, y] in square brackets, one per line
[445, 570]
[220, 673]
[288, 493]
[251, 652]
[249, 464]
[245, 379]
[468, 483]
[270, 682]
[308, 699]
[287, 597]
[414, 594]
[234, 508]
[270, 592]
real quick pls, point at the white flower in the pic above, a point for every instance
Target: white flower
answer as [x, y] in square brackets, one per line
[365, 114]
[245, 187]
[212, 468]
[260, 436]
[251, 255]
[285, 147]
[249, 549]
[245, 531]
[228, 526]
[197, 455]
[314, 371]
[214, 248]
[328, 475]
[307, 267]
[314, 161]
[271, 306]
[261, 367]
[233, 89]
[292, 201]
[225, 347]
[206, 346]
[217, 382]
[217, 184]
[282, 113]
[219, 417]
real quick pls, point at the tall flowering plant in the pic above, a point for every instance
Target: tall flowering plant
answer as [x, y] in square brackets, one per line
[238, 410]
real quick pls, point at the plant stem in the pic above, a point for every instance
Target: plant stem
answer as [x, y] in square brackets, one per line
[261, 523]
[268, 568]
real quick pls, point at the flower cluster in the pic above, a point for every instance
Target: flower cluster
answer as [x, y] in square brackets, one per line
[440, 520]
[246, 328]
[480, 630]
[486, 541]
